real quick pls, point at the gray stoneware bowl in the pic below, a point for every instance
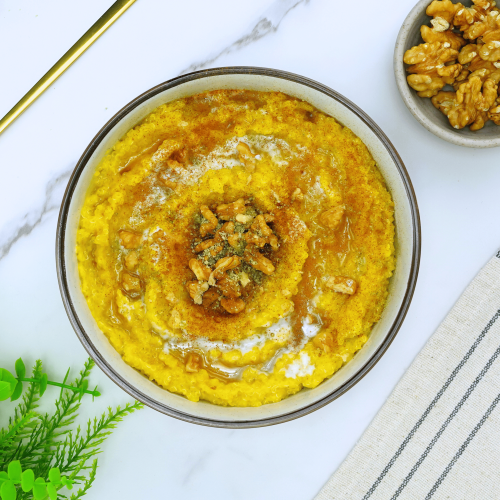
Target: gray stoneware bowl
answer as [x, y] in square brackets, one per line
[421, 108]
[401, 287]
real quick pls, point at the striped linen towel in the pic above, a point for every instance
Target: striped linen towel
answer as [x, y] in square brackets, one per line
[438, 435]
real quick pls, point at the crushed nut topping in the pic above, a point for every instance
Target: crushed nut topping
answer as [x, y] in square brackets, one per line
[297, 195]
[230, 257]
[130, 240]
[246, 156]
[342, 284]
[131, 285]
[131, 261]
[193, 363]
[331, 218]
[196, 290]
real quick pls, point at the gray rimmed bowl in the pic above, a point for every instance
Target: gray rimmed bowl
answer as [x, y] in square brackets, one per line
[421, 108]
[401, 287]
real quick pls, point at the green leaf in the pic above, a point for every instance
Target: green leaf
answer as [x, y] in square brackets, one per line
[4, 476]
[8, 491]
[55, 475]
[52, 491]
[83, 388]
[43, 384]
[6, 378]
[17, 391]
[5, 390]
[20, 368]
[14, 470]
[27, 480]
[39, 489]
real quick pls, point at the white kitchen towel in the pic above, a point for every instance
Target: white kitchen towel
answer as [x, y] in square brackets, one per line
[438, 435]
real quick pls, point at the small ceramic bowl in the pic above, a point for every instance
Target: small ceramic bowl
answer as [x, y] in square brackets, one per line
[422, 108]
[402, 283]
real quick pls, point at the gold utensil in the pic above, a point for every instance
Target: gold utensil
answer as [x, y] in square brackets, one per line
[95, 31]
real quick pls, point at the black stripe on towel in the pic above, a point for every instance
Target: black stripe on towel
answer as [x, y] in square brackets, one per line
[431, 406]
[452, 415]
[462, 448]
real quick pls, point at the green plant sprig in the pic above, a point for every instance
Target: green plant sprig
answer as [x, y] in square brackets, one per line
[26, 479]
[46, 446]
[12, 387]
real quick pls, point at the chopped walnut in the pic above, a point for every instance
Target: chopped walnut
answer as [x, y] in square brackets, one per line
[210, 297]
[257, 260]
[243, 219]
[232, 244]
[131, 283]
[342, 284]
[234, 240]
[200, 247]
[297, 195]
[230, 210]
[223, 265]
[273, 241]
[130, 240]
[244, 279]
[208, 227]
[325, 341]
[229, 287]
[193, 363]
[233, 306]
[331, 218]
[196, 290]
[259, 226]
[165, 150]
[246, 156]
[201, 271]
[167, 182]
[254, 239]
[131, 261]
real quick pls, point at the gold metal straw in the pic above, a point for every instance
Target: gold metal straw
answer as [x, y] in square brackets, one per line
[97, 29]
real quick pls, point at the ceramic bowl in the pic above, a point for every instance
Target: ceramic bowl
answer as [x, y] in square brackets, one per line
[401, 286]
[422, 108]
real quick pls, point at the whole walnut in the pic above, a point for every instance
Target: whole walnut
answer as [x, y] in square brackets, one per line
[478, 23]
[470, 104]
[433, 65]
[442, 12]
[494, 112]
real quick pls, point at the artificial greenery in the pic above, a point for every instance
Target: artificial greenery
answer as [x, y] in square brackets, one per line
[40, 453]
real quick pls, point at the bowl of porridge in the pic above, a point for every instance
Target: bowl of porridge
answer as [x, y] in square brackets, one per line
[237, 247]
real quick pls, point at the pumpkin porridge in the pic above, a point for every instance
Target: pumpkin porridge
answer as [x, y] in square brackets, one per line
[236, 246]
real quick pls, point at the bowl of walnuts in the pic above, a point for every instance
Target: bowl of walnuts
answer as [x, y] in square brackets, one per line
[447, 66]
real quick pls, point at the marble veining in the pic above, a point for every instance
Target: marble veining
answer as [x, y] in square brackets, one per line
[267, 24]
[34, 217]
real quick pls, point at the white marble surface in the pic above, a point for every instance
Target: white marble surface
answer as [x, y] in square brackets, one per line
[347, 47]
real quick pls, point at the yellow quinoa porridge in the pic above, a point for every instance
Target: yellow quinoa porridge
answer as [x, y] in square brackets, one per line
[236, 246]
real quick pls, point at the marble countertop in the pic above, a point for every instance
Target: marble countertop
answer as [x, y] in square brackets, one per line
[346, 47]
